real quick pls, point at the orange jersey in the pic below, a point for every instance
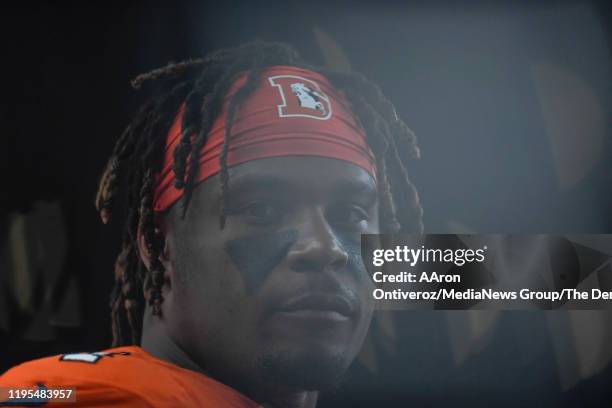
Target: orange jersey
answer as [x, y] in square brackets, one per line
[123, 377]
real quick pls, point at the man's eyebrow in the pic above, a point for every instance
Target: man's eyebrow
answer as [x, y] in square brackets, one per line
[250, 183]
[356, 188]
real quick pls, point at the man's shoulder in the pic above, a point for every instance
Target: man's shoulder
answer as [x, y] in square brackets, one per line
[123, 375]
[114, 363]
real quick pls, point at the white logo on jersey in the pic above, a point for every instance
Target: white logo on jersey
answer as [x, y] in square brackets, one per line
[90, 357]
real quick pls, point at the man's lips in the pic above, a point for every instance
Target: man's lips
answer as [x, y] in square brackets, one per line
[319, 305]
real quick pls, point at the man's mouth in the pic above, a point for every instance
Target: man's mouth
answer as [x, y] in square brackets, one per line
[318, 306]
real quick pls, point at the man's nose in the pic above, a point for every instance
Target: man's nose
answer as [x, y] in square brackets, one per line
[317, 248]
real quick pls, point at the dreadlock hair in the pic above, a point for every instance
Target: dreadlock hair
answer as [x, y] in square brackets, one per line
[201, 84]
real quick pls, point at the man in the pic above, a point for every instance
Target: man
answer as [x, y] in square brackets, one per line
[250, 179]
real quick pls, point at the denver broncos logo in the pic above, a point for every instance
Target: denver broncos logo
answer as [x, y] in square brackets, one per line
[301, 97]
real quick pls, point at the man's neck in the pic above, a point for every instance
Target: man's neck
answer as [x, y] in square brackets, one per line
[156, 341]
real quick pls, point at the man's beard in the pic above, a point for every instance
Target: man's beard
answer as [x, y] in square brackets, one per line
[310, 371]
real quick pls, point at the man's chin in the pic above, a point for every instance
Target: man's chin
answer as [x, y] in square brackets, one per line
[311, 369]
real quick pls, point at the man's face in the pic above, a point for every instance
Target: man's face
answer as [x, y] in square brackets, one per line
[280, 294]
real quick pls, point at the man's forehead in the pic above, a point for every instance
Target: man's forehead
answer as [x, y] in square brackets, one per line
[301, 173]
[294, 177]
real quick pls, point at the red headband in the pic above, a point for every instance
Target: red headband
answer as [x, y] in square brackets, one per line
[292, 112]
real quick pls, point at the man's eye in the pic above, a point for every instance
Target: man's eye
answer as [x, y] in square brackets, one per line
[261, 211]
[356, 215]
[348, 215]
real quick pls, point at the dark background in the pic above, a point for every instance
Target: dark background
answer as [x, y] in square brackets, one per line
[511, 104]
